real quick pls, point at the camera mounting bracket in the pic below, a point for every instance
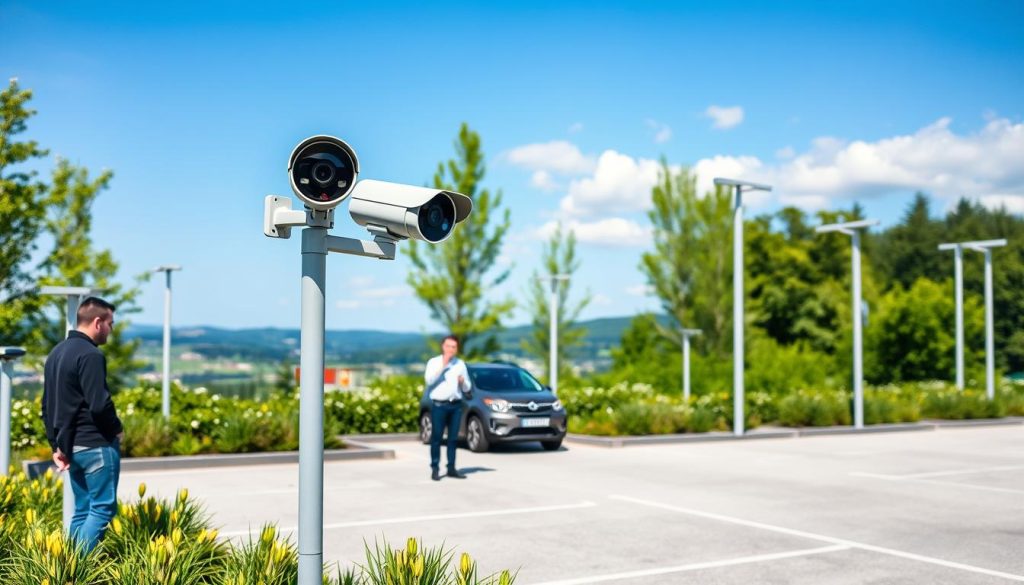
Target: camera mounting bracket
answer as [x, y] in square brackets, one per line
[279, 218]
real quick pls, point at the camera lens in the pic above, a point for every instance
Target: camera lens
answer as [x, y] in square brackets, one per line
[323, 172]
[437, 218]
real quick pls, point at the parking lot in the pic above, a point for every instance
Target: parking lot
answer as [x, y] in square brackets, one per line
[944, 506]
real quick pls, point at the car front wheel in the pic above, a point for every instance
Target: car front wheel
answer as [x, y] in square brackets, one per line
[426, 428]
[476, 437]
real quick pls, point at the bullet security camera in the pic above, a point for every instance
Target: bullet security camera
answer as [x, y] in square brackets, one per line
[405, 211]
[323, 170]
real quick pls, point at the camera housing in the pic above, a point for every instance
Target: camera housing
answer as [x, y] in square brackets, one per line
[323, 171]
[406, 211]
[9, 353]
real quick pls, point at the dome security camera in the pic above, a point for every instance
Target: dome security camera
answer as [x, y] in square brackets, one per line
[323, 170]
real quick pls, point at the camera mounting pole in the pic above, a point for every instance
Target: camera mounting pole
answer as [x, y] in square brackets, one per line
[279, 218]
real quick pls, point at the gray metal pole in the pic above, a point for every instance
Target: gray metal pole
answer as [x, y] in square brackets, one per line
[553, 333]
[959, 285]
[311, 407]
[5, 418]
[737, 315]
[858, 349]
[990, 365]
[167, 349]
[686, 367]
[68, 507]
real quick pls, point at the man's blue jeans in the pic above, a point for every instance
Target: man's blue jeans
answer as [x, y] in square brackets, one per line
[444, 415]
[94, 475]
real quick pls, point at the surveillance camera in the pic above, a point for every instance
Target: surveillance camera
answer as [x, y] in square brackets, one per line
[406, 211]
[323, 171]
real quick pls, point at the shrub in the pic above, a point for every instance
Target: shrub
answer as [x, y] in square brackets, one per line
[808, 408]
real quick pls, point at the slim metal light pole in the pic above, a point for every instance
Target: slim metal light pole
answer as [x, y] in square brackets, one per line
[985, 247]
[686, 335]
[958, 287]
[7, 356]
[74, 296]
[166, 397]
[553, 280]
[737, 296]
[851, 228]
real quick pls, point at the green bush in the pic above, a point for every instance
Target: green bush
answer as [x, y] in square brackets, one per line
[818, 409]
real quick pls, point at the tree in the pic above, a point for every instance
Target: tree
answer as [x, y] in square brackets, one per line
[911, 247]
[559, 258]
[23, 204]
[912, 336]
[690, 268]
[60, 209]
[452, 278]
[74, 261]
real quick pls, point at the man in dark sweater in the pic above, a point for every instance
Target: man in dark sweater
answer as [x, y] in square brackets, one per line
[81, 424]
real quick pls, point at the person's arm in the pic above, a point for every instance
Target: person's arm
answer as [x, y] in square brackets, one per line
[464, 384]
[51, 436]
[93, 378]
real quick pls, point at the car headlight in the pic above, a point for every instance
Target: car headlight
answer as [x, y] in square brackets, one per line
[557, 405]
[497, 404]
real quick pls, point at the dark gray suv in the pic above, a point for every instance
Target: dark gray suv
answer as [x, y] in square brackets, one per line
[507, 405]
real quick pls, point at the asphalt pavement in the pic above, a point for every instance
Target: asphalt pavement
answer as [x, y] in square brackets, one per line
[944, 506]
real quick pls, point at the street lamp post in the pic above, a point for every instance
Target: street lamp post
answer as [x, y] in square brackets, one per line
[166, 396]
[74, 296]
[985, 247]
[851, 229]
[737, 295]
[686, 335]
[553, 280]
[7, 355]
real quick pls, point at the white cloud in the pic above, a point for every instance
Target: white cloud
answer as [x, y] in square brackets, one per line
[601, 300]
[543, 181]
[662, 133]
[619, 183]
[725, 117]
[576, 128]
[1012, 203]
[748, 168]
[557, 156]
[610, 232]
[362, 296]
[786, 152]
[640, 290]
[985, 165]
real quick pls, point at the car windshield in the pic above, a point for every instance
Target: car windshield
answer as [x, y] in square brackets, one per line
[504, 380]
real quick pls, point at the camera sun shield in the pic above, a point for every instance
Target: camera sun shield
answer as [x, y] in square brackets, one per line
[323, 170]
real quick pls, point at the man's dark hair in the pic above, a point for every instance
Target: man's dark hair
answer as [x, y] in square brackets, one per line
[93, 307]
[452, 337]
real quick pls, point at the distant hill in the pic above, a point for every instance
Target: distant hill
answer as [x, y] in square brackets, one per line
[353, 346]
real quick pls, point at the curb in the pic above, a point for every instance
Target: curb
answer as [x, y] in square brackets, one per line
[381, 437]
[773, 433]
[356, 450]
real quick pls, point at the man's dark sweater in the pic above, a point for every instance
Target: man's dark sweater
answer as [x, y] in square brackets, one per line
[77, 408]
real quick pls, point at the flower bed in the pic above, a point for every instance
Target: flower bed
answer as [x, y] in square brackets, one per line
[172, 542]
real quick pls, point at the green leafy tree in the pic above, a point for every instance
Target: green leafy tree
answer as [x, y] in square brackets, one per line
[452, 278]
[559, 258]
[74, 261]
[23, 204]
[690, 268]
[911, 335]
[60, 209]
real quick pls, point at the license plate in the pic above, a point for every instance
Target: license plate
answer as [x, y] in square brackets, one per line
[536, 422]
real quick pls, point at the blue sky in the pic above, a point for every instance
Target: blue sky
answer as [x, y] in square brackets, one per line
[196, 108]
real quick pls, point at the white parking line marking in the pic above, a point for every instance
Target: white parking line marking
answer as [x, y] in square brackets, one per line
[913, 479]
[432, 517]
[821, 537]
[963, 471]
[699, 566]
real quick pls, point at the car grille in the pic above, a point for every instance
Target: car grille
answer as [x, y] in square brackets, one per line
[524, 407]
